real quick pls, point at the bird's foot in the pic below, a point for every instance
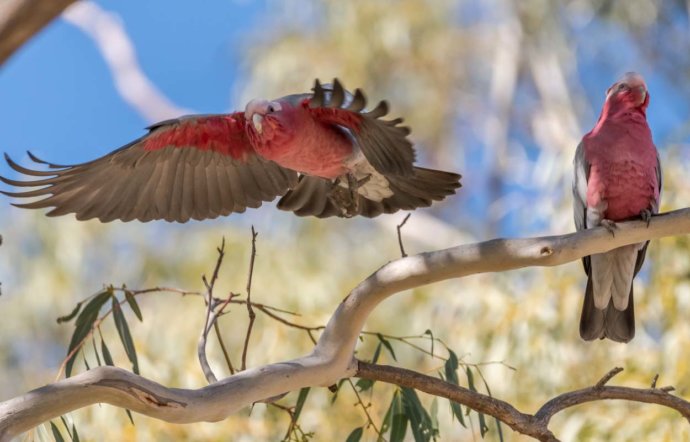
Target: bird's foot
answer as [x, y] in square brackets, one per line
[610, 226]
[345, 195]
[344, 198]
[646, 215]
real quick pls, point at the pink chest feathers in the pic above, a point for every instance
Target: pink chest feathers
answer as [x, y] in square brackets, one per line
[306, 146]
[622, 176]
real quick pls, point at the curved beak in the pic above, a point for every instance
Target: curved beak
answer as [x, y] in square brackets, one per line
[641, 95]
[257, 122]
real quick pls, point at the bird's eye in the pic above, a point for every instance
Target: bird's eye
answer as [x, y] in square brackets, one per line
[274, 107]
[622, 86]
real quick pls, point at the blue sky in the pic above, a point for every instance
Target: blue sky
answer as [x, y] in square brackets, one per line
[57, 97]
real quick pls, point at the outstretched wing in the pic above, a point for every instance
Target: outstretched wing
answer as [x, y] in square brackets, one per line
[383, 143]
[194, 167]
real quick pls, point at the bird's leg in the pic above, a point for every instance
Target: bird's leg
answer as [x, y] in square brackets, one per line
[646, 215]
[353, 185]
[609, 225]
[343, 196]
[344, 193]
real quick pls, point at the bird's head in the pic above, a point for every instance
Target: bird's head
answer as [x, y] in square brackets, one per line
[267, 119]
[630, 92]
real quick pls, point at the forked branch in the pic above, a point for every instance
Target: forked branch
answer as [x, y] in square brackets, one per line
[332, 357]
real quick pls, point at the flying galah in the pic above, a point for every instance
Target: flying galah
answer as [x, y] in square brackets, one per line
[321, 151]
[617, 177]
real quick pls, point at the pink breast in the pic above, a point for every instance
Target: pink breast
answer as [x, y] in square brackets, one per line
[626, 183]
[315, 149]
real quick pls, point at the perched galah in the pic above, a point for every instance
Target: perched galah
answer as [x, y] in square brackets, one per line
[322, 152]
[617, 178]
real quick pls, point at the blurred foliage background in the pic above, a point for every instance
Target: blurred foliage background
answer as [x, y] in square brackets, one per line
[501, 91]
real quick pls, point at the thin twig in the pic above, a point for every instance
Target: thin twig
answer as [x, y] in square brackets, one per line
[400, 242]
[608, 376]
[250, 310]
[226, 355]
[364, 407]
[77, 348]
[656, 378]
[210, 317]
[158, 289]
[290, 413]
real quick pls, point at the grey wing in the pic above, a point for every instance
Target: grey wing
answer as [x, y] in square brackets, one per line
[659, 177]
[581, 175]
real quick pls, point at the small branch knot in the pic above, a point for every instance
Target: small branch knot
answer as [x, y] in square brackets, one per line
[607, 377]
[154, 400]
[656, 378]
[546, 251]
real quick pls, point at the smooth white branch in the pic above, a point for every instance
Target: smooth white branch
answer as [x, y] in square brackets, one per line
[332, 357]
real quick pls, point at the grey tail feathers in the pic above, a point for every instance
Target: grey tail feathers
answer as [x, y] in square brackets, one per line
[608, 323]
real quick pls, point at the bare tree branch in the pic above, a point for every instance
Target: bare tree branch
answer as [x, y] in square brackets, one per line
[332, 357]
[109, 35]
[211, 317]
[22, 19]
[400, 241]
[532, 425]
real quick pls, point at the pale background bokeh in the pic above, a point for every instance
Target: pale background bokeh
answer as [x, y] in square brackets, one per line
[499, 90]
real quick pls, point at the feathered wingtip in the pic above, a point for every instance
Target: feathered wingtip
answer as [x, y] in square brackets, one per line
[45, 183]
[357, 102]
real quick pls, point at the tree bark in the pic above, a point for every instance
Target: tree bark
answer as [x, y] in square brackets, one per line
[21, 19]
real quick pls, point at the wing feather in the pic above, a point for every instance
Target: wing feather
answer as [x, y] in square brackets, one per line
[162, 175]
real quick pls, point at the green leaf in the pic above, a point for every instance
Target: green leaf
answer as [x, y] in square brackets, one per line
[499, 429]
[388, 345]
[301, 398]
[398, 419]
[431, 338]
[420, 421]
[364, 384]
[93, 307]
[131, 300]
[483, 428]
[83, 327]
[456, 408]
[450, 368]
[86, 363]
[377, 353]
[56, 433]
[129, 415]
[125, 336]
[95, 350]
[71, 315]
[106, 354]
[75, 435]
[356, 435]
[65, 424]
